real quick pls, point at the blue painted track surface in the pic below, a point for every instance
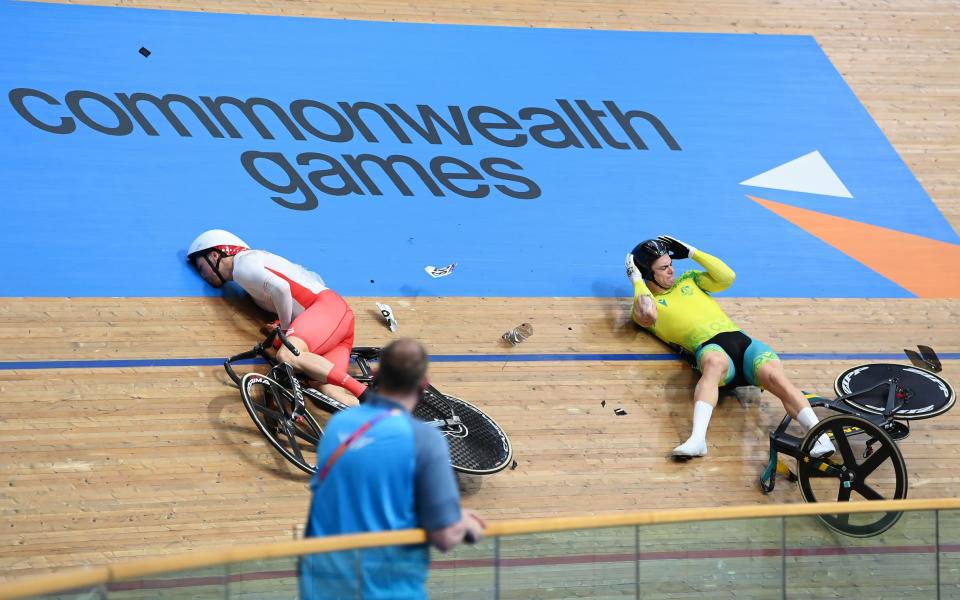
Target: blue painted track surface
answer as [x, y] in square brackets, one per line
[95, 214]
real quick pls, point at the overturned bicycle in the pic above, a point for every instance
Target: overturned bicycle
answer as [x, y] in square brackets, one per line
[875, 404]
[277, 403]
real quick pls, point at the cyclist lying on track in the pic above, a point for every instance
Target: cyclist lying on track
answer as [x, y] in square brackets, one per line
[316, 320]
[680, 311]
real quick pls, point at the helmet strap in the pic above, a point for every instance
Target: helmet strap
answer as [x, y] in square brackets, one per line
[653, 278]
[215, 267]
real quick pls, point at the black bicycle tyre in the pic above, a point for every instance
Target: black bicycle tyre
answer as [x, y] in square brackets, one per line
[482, 447]
[919, 381]
[251, 379]
[807, 468]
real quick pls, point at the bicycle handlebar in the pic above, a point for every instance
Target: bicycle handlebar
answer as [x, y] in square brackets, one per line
[242, 356]
[283, 339]
[258, 350]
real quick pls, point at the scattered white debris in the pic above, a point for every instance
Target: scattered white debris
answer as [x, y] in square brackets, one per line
[518, 334]
[435, 272]
[387, 313]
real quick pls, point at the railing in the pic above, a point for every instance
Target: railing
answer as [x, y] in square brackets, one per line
[771, 551]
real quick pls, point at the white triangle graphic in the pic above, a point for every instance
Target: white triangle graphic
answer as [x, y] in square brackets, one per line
[809, 174]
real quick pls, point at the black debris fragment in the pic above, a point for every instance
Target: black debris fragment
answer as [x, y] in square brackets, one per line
[603, 403]
[927, 359]
[619, 412]
[144, 51]
[513, 466]
[930, 357]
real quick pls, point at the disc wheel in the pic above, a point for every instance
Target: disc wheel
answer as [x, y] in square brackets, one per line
[842, 478]
[478, 445]
[922, 393]
[295, 437]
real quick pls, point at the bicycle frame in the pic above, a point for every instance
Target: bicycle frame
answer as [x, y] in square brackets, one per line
[258, 351]
[839, 405]
[781, 441]
[361, 356]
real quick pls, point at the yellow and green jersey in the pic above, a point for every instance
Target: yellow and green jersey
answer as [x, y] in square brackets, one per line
[686, 314]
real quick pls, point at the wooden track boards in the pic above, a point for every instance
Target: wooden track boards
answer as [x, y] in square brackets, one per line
[104, 464]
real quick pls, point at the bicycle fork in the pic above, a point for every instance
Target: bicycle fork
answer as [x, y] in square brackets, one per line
[299, 404]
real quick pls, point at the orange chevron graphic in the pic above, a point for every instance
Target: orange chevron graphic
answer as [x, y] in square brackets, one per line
[928, 268]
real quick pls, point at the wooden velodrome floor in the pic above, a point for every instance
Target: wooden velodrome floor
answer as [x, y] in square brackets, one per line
[107, 464]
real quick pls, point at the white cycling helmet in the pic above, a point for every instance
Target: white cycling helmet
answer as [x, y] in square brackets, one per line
[224, 242]
[216, 239]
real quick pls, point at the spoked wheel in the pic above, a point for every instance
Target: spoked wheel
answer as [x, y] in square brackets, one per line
[271, 406]
[922, 394]
[844, 478]
[478, 446]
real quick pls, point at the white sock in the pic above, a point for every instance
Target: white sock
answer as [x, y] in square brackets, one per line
[807, 419]
[696, 444]
[701, 419]
[691, 448]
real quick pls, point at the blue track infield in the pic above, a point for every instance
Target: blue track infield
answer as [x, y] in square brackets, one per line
[533, 158]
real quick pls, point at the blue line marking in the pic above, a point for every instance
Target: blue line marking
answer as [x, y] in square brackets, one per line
[445, 358]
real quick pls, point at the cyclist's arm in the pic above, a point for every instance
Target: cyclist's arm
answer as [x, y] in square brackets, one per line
[718, 276]
[279, 291]
[269, 290]
[644, 312]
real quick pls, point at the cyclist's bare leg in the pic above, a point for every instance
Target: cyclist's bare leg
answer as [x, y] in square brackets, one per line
[316, 368]
[312, 365]
[713, 370]
[337, 393]
[771, 376]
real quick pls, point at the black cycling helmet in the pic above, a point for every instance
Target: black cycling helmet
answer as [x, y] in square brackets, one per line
[646, 253]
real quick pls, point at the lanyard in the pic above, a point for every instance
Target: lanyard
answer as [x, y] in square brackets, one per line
[353, 437]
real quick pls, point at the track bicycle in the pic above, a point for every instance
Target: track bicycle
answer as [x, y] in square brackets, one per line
[277, 403]
[876, 403]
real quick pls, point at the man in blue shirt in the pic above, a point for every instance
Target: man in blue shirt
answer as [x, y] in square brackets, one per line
[380, 469]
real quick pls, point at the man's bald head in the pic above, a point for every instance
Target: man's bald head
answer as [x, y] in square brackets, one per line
[403, 367]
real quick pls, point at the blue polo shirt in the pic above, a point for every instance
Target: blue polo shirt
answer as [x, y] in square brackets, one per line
[397, 475]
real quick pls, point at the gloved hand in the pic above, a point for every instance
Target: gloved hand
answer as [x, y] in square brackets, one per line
[678, 249]
[633, 272]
